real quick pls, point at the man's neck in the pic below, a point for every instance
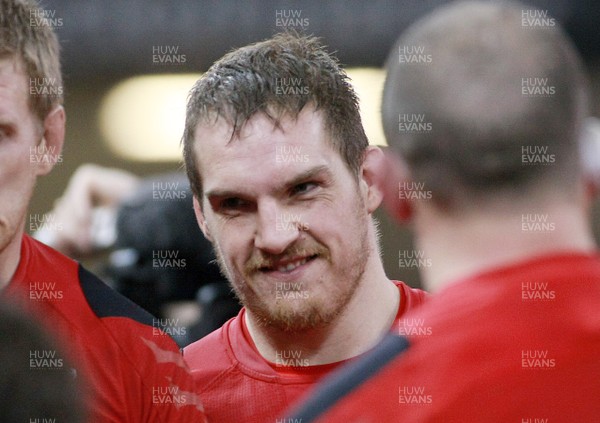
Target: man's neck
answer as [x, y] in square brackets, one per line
[367, 317]
[462, 246]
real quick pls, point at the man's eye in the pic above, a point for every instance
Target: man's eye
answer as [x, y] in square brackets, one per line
[232, 204]
[303, 188]
[4, 133]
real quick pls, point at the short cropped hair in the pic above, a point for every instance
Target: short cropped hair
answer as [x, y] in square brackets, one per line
[277, 77]
[32, 41]
[490, 90]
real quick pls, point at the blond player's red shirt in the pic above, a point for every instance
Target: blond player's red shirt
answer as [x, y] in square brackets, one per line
[237, 384]
[134, 372]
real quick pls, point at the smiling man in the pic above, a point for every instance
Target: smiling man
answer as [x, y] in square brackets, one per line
[283, 182]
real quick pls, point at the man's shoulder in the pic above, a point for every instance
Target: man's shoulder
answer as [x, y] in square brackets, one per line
[46, 283]
[133, 332]
[214, 342]
[217, 371]
[211, 355]
[132, 340]
[501, 310]
[105, 302]
[493, 327]
[107, 333]
[44, 269]
[41, 262]
[91, 310]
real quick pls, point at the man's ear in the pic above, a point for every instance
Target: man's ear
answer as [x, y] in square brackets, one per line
[50, 147]
[590, 156]
[394, 178]
[372, 166]
[200, 218]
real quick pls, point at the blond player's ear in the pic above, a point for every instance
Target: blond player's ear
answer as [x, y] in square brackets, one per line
[50, 147]
[394, 177]
[200, 218]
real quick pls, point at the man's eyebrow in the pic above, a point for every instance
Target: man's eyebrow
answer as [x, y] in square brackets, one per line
[306, 175]
[218, 193]
[6, 119]
[298, 179]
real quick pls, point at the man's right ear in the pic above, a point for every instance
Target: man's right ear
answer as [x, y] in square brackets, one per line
[200, 218]
[396, 175]
[589, 146]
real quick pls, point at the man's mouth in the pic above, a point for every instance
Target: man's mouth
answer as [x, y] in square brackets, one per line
[287, 266]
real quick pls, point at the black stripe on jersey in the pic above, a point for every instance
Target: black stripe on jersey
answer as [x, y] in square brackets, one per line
[349, 378]
[106, 302]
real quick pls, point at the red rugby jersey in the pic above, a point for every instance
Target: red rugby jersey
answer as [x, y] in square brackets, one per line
[134, 371]
[517, 344]
[238, 385]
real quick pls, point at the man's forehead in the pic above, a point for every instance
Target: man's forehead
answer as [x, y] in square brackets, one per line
[13, 84]
[221, 129]
[267, 154]
[11, 65]
[260, 141]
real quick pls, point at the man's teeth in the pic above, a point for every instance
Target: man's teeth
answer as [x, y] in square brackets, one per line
[291, 266]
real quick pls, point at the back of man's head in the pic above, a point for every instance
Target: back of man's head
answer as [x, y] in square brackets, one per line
[499, 100]
[27, 36]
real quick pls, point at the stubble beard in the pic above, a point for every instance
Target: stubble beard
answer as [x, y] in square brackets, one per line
[301, 314]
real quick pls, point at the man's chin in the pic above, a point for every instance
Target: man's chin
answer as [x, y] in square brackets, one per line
[296, 319]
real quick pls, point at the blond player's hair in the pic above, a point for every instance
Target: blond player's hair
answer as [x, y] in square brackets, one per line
[32, 42]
